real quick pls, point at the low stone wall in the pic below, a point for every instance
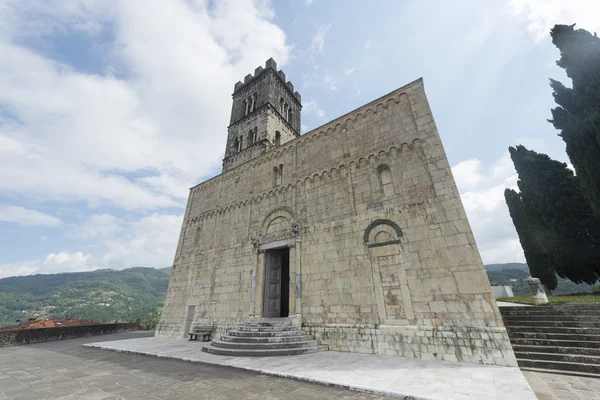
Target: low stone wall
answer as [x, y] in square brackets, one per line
[27, 336]
[502, 291]
[447, 343]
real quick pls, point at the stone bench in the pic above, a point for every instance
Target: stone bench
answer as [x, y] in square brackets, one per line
[204, 330]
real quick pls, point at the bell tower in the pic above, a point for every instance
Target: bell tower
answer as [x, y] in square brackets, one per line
[265, 114]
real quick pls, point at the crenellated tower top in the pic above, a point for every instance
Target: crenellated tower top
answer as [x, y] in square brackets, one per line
[265, 114]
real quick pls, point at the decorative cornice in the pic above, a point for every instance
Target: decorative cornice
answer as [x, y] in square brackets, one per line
[365, 112]
[332, 173]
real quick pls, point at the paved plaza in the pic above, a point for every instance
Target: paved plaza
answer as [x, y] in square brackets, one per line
[563, 387]
[398, 377]
[65, 370]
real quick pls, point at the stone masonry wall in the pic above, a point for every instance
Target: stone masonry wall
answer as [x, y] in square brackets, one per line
[384, 260]
[28, 336]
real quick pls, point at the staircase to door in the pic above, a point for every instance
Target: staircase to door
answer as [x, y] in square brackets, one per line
[264, 337]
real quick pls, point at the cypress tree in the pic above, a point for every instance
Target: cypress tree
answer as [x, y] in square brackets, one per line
[561, 221]
[539, 261]
[578, 113]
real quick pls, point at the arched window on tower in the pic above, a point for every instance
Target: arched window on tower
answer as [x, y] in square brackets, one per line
[252, 136]
[281, 105]
[240, 143]
[385, 175]
[236, 145]
[245, 106]
[277, 138]
[278, 175]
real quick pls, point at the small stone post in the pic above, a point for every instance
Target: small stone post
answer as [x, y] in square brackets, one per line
[538, 292]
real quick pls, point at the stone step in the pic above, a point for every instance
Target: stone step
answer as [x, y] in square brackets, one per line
[569, 358]
[560, 365]
[585, 351]
[557, 307]
[264, 345]
[553, 329]
[562, 343]
[246, 328]
[264, 334]
[559, 324]
[558, 336]
[266, 325]
[266, 339]
[575, 317]
[270, 321]
[561, 372]
[546, 311]
[209, 348]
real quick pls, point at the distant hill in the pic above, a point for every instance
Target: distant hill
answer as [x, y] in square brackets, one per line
[137, 294]
[500, 267]
[106, 295]
[516, 274]
[166, 270]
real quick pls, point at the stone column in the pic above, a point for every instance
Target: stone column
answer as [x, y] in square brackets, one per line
[297, 316]
[260, 277]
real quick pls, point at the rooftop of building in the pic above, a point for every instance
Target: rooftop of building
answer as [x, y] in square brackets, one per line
[34, 323]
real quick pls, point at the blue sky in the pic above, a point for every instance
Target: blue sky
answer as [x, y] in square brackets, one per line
[110, 111]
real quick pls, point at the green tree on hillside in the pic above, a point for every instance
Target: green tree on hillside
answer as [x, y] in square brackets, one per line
[561, 221]
[578, 113]
[539, 261]
[134, 294]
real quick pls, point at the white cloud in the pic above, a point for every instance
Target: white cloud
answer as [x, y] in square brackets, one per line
[150, 241]
[312, 108]
[97, 226]
[542, 15]
[467, 173]
[51, 264]
[318, 41]
[134, 135]
[368, 44]
[482, 194]
[308, 2]
[348, 71]
[75, 136]
[330, 82]
[24, 216]
[176, 186]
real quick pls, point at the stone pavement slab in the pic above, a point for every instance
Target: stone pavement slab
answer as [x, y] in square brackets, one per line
[64, 370]
[399, 377]
[563, 387]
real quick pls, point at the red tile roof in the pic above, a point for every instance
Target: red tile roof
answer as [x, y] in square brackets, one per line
[51, 323]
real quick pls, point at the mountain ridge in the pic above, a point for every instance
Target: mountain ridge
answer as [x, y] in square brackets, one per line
[137, 293]
[105, 295]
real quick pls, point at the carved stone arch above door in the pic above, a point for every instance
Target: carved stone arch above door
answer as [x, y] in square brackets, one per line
[280, 226]
[382, 232]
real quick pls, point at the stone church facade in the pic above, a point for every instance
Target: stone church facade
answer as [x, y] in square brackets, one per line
[355, 230]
